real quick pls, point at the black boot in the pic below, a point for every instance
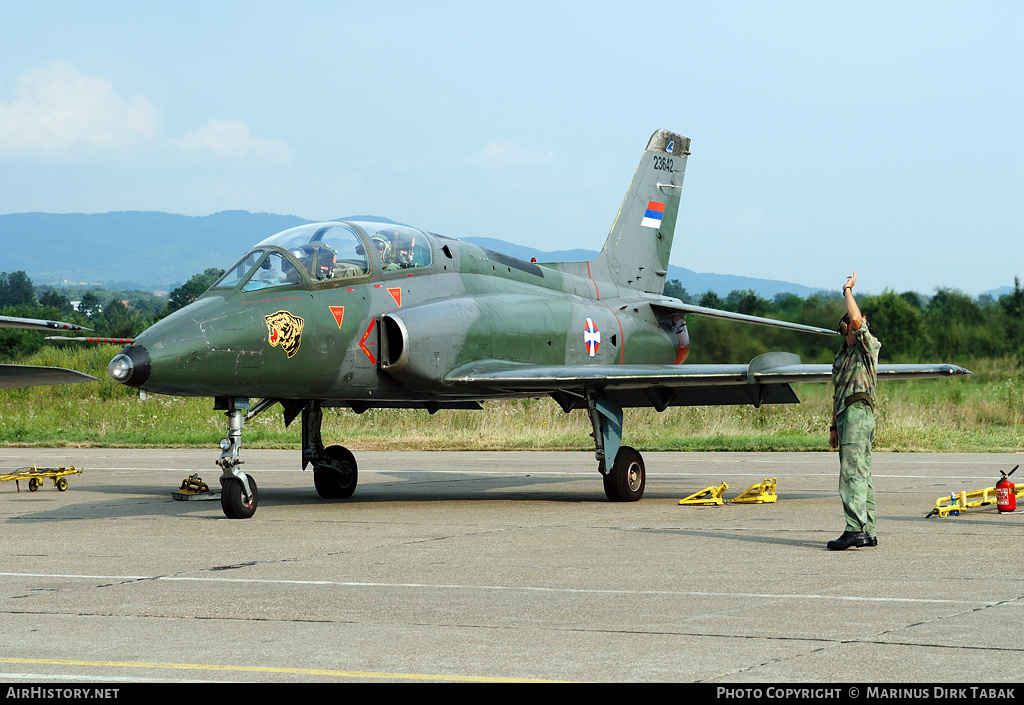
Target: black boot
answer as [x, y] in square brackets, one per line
[849, 538]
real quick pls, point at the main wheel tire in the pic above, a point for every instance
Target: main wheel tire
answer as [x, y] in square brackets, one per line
[232, 499]
[626, 480]
[335, 474]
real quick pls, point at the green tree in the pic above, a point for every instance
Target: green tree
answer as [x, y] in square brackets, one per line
[676, 290]
[191, 290]
[787, 305]
[17, 343]
[955, 325]
[914, 299]
[90, 305]
[897, 323]
[120, 321]
[60, 303]
[16, 290]
[1012, 305]
[746, 302]
[710, 299]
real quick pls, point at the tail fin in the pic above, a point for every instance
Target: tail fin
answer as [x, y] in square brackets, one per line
[637, 249]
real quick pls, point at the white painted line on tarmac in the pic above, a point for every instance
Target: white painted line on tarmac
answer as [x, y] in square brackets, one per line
[517, 588]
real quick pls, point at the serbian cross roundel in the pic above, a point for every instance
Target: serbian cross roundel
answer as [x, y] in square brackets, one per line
[591, 337]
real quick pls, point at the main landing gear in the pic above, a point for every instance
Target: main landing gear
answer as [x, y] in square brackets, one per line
[625, 479]
[334, 468]
[335, 473]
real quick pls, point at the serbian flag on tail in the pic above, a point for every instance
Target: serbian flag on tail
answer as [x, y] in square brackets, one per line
[655, 212]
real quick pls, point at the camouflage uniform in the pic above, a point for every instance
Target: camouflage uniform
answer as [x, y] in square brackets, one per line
[854, 373]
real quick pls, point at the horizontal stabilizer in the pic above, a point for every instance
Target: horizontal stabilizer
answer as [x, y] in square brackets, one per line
[12, 376]
[677, 307]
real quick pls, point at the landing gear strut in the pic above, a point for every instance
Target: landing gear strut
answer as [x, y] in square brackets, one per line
[334, 468]
[238, 496]
[625, 478]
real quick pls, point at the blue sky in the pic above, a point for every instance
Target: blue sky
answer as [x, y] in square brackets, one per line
[884, 137]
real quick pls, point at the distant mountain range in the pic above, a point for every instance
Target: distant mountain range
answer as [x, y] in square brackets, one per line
[147, 250]
[158, 251]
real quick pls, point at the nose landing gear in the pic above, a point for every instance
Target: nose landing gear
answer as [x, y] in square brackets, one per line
[239, 495]
[238, 498]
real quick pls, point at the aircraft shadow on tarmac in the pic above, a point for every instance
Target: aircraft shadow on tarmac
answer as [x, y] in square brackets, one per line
[121, 500]
[426, 488]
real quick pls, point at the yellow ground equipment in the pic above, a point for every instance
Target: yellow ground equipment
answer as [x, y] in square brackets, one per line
[953, 504]
[35, 477]
[709, 496]
[193, 487]
[761, 493]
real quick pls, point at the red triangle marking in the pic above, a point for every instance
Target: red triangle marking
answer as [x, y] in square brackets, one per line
[339, 313]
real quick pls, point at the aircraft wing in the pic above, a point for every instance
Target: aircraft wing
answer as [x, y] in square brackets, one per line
[37, 324]
[765, 380]
[27, 376]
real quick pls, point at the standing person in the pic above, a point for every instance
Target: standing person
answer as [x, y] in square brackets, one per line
[854, 374]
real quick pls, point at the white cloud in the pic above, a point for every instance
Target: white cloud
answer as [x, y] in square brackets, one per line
[511, 154]
[56, 108]
[232, 139]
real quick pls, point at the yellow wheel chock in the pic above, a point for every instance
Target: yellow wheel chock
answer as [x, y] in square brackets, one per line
[708, 496]
[761, 493]
[193, 487]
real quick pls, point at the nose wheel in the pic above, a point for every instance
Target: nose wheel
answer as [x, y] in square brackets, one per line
[234, 500]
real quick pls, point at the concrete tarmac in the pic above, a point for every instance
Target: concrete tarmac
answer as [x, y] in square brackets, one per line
[495, 566]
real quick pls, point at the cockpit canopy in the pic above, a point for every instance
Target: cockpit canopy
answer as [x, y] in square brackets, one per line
[329, 251]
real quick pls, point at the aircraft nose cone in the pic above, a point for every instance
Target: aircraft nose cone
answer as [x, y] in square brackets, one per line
[131, 366]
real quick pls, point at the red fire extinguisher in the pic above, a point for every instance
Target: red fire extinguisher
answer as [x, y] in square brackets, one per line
[1006, 496]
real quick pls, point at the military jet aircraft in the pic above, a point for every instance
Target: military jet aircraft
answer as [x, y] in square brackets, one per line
[365, 315]
[31, 376]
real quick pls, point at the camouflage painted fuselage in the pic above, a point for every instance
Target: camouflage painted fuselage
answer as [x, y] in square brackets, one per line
[391, 337]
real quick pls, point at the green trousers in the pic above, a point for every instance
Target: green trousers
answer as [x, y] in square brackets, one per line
[856, 429]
